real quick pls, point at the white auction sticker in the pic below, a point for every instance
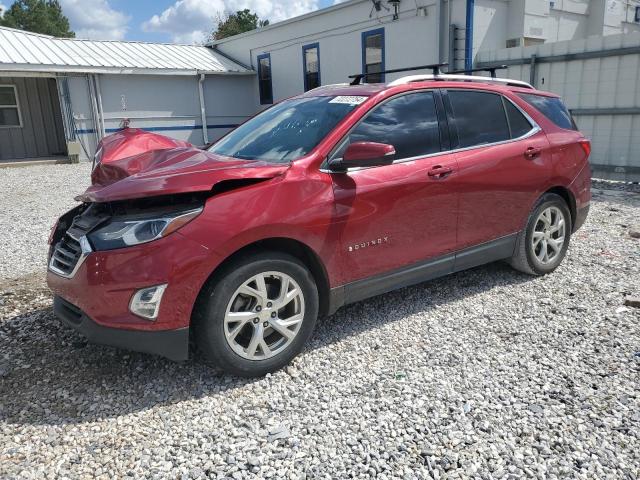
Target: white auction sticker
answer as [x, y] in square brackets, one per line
[349, 99]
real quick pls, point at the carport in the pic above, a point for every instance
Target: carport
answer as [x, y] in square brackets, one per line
[60, 96]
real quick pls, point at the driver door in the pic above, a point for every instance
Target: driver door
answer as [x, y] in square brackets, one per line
[398, 222]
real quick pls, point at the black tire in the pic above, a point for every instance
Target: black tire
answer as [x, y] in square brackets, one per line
[209, 312]
[524, 258]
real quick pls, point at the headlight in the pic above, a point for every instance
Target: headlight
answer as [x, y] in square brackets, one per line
[127, 231]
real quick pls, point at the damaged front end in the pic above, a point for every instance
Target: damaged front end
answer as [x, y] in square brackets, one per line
[121, 270]
[94, 226]
[121, 273]
[137, 196]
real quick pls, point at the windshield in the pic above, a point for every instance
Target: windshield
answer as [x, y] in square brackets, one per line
[286, 131]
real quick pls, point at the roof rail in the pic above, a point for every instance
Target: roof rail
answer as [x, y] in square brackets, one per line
[459, 78]
[434, 67]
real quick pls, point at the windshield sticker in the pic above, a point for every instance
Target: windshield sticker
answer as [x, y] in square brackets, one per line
[349, 99]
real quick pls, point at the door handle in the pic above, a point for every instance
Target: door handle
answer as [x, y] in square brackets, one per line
[439, 171]
[532, 152]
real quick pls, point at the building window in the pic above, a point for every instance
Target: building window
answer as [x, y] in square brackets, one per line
[9, 107]
[264, 79]
[311, 65]
[637, 17]
[373, 55]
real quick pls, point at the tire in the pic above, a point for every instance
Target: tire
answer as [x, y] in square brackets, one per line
[526, 257]
[247, 347]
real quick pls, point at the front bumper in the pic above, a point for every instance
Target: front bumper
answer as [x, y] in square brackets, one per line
[103, 285]
[172, 344]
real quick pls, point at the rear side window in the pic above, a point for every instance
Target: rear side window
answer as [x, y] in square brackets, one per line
[408, 122]
[518, 124]
[479, 117]
[552, 108]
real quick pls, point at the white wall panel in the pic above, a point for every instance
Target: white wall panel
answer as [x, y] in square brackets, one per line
[602, 83]
[410, 40]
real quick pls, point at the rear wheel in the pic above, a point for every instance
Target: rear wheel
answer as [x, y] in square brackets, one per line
[543, 244]
[257, 314]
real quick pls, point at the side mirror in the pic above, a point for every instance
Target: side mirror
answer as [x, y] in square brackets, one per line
[364, 154]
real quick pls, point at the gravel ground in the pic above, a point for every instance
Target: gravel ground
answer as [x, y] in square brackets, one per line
[32, 198]
[484, 374]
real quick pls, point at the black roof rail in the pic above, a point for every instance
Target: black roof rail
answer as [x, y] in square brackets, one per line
[435, 67]
[491, 70]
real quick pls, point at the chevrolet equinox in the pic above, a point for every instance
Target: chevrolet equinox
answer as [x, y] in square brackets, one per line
[324, 199]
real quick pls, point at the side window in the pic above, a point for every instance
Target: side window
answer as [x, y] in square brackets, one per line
[552, 108]
[9, 109]
[479, 117]
[264, 79]
[408, 122]
[518, 123]
[373, 55]
[311, 65]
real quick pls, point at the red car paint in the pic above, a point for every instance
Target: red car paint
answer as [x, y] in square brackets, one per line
[166, 172]
[133, 141]
[393, 216]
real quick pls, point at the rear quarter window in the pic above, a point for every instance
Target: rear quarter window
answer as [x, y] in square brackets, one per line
[552, 108]
[518, 124]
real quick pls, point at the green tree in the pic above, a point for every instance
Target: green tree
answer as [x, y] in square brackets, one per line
[242, 21]
[39, 16]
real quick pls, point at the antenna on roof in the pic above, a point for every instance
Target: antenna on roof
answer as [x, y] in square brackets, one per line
[491, 70]
[434, 67]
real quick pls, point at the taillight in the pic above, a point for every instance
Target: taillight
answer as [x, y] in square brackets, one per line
[586, 146]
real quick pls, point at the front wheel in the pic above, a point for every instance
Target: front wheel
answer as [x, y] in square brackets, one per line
[257, 314]
[543, 244]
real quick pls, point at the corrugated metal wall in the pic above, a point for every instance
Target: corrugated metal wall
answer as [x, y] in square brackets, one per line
[42, 131]
[164, 104]
[599, 80]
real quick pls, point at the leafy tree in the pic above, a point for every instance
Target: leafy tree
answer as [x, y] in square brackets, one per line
[39, 16]
[242, 21]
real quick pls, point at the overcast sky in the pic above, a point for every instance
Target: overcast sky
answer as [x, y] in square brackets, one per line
[181, 21]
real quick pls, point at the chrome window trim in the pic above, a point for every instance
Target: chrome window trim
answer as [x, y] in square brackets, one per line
[535, 128]
[86, 249]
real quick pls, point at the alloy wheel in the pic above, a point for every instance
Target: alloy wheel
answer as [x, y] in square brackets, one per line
[264, 315]
[548, 235]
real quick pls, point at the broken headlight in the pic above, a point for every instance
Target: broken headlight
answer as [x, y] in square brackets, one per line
[123, 232]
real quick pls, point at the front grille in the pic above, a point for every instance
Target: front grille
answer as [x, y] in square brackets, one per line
[71, 249]
[66, 255]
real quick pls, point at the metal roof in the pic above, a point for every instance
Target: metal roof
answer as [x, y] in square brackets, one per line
[22, 51]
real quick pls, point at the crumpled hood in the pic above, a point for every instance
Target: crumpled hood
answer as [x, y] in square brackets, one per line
[133, 141]
[166, 172]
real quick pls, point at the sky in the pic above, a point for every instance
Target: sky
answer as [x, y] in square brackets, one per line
[177, 21]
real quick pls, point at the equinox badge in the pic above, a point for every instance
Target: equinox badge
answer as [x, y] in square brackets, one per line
[370, 243]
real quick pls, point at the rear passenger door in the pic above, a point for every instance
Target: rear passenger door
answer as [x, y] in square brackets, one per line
[503, 159]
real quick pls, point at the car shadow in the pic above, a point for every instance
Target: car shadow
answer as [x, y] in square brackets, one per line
[49, 375]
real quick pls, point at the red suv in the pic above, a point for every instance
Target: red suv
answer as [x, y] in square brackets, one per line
[327, 198]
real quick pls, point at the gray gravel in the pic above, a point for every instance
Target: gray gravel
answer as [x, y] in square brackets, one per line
[487, 374]
[32, 198]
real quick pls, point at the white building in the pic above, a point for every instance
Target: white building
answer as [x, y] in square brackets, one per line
[345, 39]
[59, 91]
